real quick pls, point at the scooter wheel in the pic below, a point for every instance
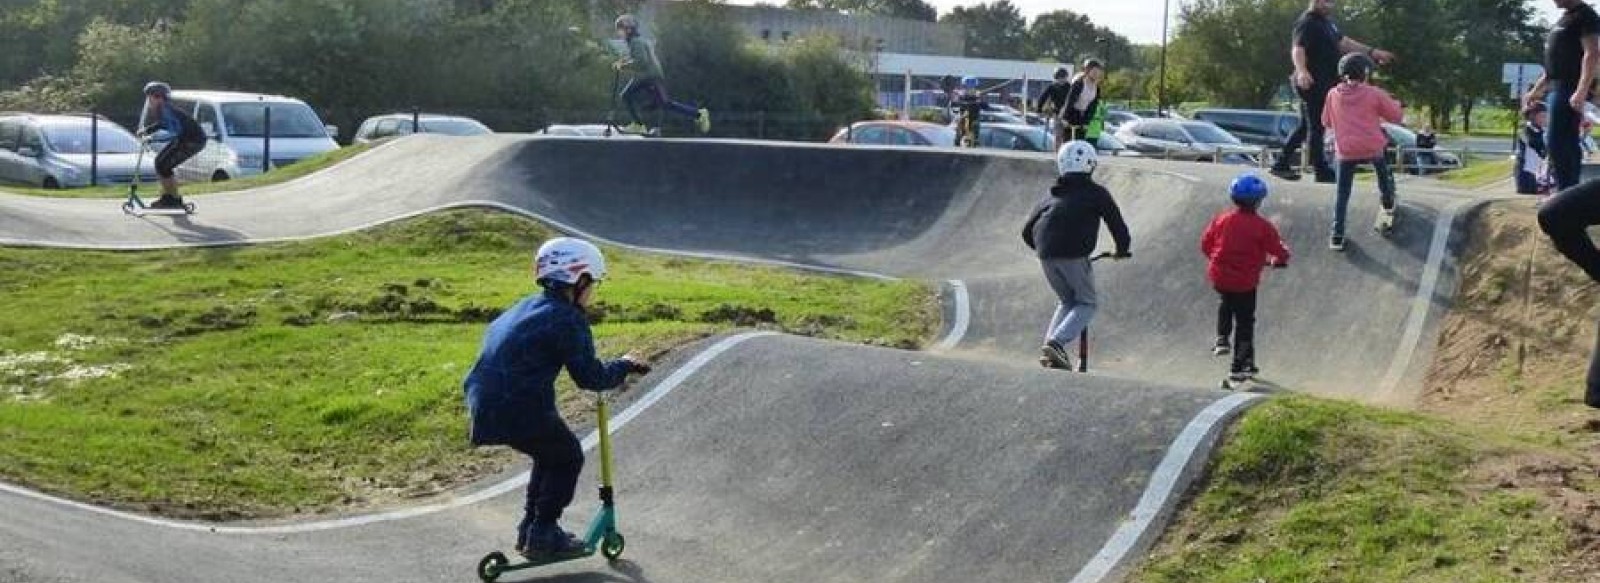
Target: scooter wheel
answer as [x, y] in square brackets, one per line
[127, 207]
[612, 546]
[188, 207]
[492, 565]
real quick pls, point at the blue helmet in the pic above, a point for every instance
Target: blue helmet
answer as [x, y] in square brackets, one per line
[969, 82]
[1248, 188]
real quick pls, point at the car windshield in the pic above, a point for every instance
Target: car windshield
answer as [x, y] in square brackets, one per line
[74, 139]
[289, 120]
[1209, 134]
[453, 127]
[1401, 135]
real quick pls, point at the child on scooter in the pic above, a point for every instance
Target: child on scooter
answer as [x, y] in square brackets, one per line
[1237, 244]
[511, 396]
[1355, 112]
[648, 79]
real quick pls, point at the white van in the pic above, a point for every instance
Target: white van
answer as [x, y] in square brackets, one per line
[237, 144]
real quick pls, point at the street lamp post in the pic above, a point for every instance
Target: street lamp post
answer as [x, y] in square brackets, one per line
[1161, 87]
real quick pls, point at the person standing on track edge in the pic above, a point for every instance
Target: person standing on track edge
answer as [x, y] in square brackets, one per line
[1083, 98]
[647, 81]
[1571, 54]
[511, 394]
[1052, 100]
[1315, 50]
[183, 136]
[1062, 230]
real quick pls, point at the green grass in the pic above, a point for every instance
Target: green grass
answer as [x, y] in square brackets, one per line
[1478, 174]
[235, 395]
[285, 174]
[1312, 490]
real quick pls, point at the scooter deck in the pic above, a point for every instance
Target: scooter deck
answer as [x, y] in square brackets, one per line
[139, 211]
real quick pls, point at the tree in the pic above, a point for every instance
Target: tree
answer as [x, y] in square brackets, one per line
[908, 9]
[1237, 51]
[995, 30]
[1069, 37]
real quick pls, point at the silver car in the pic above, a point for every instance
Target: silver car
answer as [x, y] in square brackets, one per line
[56, 151]
[1195, 141]
[400, 124]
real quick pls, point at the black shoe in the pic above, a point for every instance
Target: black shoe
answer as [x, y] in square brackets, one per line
[1250, 371]
[1284, 172]
[1222, 347]
[168, 201]
[552, 541]
[1057, 356]
[1326, 176]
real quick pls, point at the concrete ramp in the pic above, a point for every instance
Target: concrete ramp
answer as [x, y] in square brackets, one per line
[773, 458]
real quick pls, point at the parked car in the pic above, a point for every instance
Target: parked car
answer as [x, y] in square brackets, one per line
[988, 115]
[596, 130]
[896, 133]
[400, 124]
[1417, 161]
[1153, 114]
[54, 151]
[236, 124]
[1117, 119]
[1257, 127]
[1011, 136]
[1185, 140]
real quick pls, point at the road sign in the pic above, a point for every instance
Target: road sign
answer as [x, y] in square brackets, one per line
[1520, 77]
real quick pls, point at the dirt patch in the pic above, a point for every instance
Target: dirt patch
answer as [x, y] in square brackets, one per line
[740, 315]
[1512, 354]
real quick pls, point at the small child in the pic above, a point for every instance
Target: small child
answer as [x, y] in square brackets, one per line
[511, 394]
[1531, 173]
[1356, 112]
[648, 80]
[968, 112]
[1062, 231]
[183, 135]
[1237, 244]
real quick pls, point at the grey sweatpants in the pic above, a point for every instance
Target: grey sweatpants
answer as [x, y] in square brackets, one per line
[1073, 282]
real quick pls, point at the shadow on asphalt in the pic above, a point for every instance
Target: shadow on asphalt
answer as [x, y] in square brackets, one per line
[618, 571]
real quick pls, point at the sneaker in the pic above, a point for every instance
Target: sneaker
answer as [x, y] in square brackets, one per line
[1336, 242]
[1250, 371]
[552, 541]
[1325, 176]
[1284, 172]
[704, 121]
[168, 201]
[1385, 222]
[1056, 355]
[1222, 347]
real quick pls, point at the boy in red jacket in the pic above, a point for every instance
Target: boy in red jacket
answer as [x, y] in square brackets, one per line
[1238, 244]
[1356, 112]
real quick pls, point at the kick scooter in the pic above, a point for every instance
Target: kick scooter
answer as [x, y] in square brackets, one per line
[1083, 337]
[602, 534]
[134, 205]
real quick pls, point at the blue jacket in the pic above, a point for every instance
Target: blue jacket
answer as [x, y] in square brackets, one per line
[178, 126]
[511, 390]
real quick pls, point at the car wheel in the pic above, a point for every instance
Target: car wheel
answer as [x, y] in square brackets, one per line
[219, 176]
[51, 184]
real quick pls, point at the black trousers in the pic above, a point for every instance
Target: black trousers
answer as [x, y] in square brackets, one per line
[1566, 218]
[557, 462]
[1236, 319]
[1310, 133]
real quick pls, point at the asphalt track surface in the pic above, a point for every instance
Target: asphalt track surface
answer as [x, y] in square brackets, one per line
[763, 457]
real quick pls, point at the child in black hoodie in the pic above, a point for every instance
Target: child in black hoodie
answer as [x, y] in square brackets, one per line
[1063, 230]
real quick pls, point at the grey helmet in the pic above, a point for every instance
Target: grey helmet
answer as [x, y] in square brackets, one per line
[157, 88]
[627, 21]
[1356, 66]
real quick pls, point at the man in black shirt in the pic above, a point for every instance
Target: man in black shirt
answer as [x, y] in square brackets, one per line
[1053, 100]
[1570, 57]
[1315, 50]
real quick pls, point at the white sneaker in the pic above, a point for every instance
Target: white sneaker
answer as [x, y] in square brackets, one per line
[1336, 243]
[1385, 222]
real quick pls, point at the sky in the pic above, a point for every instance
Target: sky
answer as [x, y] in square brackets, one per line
[1139, 20]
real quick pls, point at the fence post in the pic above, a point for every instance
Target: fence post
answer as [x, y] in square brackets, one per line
[94, 148]
[266, 140]
[416, 120]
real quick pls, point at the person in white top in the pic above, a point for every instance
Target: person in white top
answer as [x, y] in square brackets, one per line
[1083, 98]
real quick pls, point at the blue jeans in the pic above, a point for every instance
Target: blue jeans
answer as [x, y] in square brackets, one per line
[1561, 137]
[557, 462]
[656, 97]
[1347, 177]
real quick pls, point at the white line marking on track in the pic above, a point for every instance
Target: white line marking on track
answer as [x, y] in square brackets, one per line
[1159, 493]
[1421, 305]
[963, 316]
[618, 421]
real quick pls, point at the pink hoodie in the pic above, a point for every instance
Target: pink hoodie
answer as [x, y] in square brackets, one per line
[1354, 112]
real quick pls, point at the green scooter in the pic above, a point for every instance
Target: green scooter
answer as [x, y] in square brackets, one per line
[602, 534]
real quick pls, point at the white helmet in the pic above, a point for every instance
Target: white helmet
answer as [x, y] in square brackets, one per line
[565, 259]
[627, 21]
[1076, 156]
